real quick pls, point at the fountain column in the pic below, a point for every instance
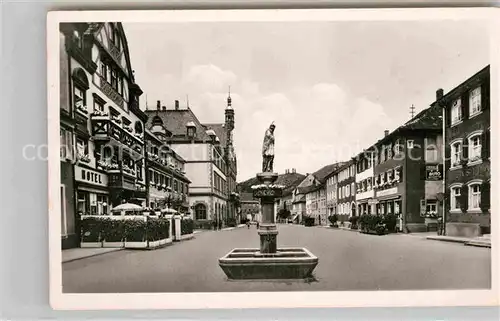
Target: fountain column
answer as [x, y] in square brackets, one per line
[267, 192]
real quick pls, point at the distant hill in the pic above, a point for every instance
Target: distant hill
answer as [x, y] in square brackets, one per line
[289, 180]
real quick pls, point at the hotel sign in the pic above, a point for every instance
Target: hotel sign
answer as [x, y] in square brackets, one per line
[90, 176]
[433, 173]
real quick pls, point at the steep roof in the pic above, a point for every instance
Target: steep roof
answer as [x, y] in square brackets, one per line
[176, 120]
[289, 180]
[323, 173]
[428, 119]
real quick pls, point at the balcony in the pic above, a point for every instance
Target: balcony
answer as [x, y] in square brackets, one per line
[122, 180]
[107, 129]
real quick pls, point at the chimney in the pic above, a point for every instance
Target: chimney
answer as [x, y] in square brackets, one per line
[386, 133]
[439, 93]
[164, 108]
[176, 105]
[158, 103]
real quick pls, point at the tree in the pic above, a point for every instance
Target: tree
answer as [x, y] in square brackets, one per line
[284, 213]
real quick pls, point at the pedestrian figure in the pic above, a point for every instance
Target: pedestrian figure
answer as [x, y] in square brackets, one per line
[257, 225]
[248, 224]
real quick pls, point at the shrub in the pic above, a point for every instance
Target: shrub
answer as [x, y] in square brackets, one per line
[379, 224]
[231, 222]
[91, 229]
[203, 225]
[112, 230]
[153, 230]
[333, 219]
[354, 222]
[187, 226]
[390, 221]
[135, 230]
[309, 221]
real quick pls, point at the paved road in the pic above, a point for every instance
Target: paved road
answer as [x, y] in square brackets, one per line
[347, 261]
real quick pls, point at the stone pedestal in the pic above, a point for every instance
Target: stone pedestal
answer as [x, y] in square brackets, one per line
[177, 227]
[267, 229]
[268, 262]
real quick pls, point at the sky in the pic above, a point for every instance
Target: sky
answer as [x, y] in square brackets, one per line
[331, 88]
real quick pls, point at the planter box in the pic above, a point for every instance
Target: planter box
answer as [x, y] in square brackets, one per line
[166, 241]
[153, 244]
[90, 244]
[136, 245]
[112, 244]
[372, 232]
[186, 236]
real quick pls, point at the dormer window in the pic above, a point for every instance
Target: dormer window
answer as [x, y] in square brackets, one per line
[191, 129]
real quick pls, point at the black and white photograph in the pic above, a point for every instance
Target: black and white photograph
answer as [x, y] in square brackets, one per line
[272, 158]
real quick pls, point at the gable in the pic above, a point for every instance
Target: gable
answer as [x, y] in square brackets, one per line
[120, 54]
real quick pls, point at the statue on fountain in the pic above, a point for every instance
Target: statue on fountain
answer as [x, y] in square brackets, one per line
[268, 150]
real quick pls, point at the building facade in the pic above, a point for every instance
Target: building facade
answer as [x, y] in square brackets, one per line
[346, 191]
[467, 136]
[408, 172]
[331, 193]
[167, 184]
[108, 128]
[210, 161]
[365, 193]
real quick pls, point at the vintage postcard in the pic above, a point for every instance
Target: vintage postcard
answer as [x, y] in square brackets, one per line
[273, 158]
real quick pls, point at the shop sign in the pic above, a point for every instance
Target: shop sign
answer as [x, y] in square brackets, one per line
[388, 191]
[433, 173]
[90, 176]
[372, 201]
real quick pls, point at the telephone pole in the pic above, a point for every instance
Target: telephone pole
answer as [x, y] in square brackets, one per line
[412, 111]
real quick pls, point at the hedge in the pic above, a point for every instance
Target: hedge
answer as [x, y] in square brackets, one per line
[379, 224]
[187, 226]
[96, 229]
[309, 221]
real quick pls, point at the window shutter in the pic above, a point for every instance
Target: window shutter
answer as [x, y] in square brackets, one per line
[447, 156]
[448, 115]
[464, 198]
[485, 144]
[485, 95]
[465, 105]
[485, 196]
[465, 149]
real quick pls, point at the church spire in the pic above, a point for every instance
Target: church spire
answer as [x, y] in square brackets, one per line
[229, 99]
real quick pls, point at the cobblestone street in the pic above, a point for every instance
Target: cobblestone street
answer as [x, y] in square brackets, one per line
[347, 261]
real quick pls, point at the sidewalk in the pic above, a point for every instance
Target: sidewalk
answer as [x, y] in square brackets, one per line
[483, 241]
[70, 255]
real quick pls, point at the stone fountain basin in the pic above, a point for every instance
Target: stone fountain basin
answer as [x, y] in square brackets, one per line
[251, 264]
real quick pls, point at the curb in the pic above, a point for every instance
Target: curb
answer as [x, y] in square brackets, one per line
[464, 242]
[92, 255]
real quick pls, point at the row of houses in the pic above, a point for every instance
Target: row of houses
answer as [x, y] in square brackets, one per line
[113, 152]
[435, 165]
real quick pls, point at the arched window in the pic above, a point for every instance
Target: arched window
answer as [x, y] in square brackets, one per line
[200, 212]
[138, 127]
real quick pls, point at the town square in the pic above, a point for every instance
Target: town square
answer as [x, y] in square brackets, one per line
[196, 159]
